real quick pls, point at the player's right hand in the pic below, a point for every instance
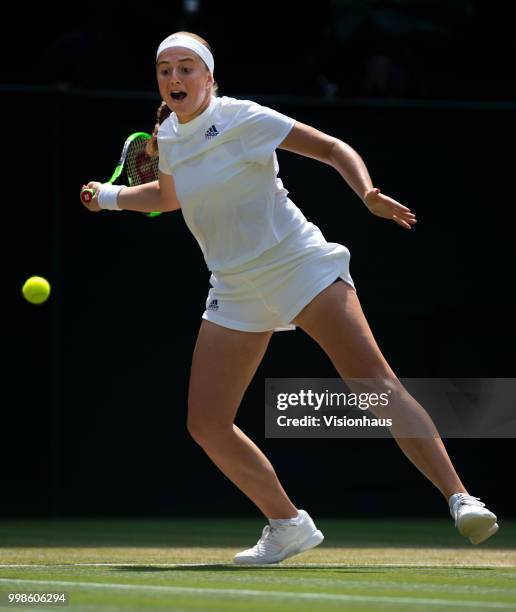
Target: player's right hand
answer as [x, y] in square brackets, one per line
[93, 204]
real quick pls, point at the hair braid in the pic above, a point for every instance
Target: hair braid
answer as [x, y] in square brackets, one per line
[162, 113]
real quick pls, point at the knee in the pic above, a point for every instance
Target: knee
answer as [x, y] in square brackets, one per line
[399, 404]
[382, 394]
[390, 390]
[197, 428]
[204, 430]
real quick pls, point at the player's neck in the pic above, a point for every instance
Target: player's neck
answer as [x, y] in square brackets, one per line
[199, 111]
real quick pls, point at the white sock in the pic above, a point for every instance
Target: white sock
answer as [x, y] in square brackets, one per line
[453, 498]
[280, 522]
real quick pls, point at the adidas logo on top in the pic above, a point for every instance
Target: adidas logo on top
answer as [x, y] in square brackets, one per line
[211, 133]
[214, 305]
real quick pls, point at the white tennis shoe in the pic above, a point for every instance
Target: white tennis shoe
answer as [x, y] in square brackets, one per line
[281, 542]
[472, 518]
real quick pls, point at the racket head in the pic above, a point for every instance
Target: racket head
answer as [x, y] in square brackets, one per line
[139, 167]
[134, 161]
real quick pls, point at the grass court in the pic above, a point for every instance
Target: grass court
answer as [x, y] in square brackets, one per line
[185, 564]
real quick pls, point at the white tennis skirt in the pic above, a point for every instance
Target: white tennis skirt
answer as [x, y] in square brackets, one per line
[267, 293]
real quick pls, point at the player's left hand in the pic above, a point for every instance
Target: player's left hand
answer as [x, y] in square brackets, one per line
[387, 208]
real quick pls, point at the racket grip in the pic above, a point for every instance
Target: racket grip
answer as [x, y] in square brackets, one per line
[87, 195]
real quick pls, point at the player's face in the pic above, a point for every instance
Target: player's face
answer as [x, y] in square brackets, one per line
[184, 83]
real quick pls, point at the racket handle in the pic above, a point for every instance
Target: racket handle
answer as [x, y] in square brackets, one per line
[87, 195]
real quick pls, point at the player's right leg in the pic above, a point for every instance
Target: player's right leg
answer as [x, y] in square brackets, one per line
[224, 363]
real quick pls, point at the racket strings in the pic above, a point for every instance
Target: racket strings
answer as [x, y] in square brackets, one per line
[140, 167]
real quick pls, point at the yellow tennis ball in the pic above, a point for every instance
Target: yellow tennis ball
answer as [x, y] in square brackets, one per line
[36, 289]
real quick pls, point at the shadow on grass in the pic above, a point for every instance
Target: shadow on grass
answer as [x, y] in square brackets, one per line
[227, 567]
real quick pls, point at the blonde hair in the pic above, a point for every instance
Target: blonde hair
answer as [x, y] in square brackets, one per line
[164, 111]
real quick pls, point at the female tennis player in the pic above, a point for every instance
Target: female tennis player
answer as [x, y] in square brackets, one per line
[271, 270]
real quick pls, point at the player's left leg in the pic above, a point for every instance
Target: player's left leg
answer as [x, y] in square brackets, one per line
[335, 320]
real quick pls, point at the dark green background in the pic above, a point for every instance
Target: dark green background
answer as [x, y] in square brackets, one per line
[95, 381]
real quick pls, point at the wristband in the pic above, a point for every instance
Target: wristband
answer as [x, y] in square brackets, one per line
[108, 196]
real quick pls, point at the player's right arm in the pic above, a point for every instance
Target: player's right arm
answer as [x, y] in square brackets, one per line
[150, 197]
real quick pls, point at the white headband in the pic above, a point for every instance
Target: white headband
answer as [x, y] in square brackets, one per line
[180, 40]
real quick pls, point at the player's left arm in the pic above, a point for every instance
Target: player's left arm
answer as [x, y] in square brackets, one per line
[310, 142]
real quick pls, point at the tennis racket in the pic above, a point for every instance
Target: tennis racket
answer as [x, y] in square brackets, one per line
[139, 167]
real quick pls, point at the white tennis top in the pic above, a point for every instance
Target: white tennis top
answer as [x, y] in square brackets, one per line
[226, 177]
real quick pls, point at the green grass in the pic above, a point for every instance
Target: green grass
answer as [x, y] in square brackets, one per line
[184, 564]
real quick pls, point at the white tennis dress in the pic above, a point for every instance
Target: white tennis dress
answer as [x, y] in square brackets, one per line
[267, 261]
